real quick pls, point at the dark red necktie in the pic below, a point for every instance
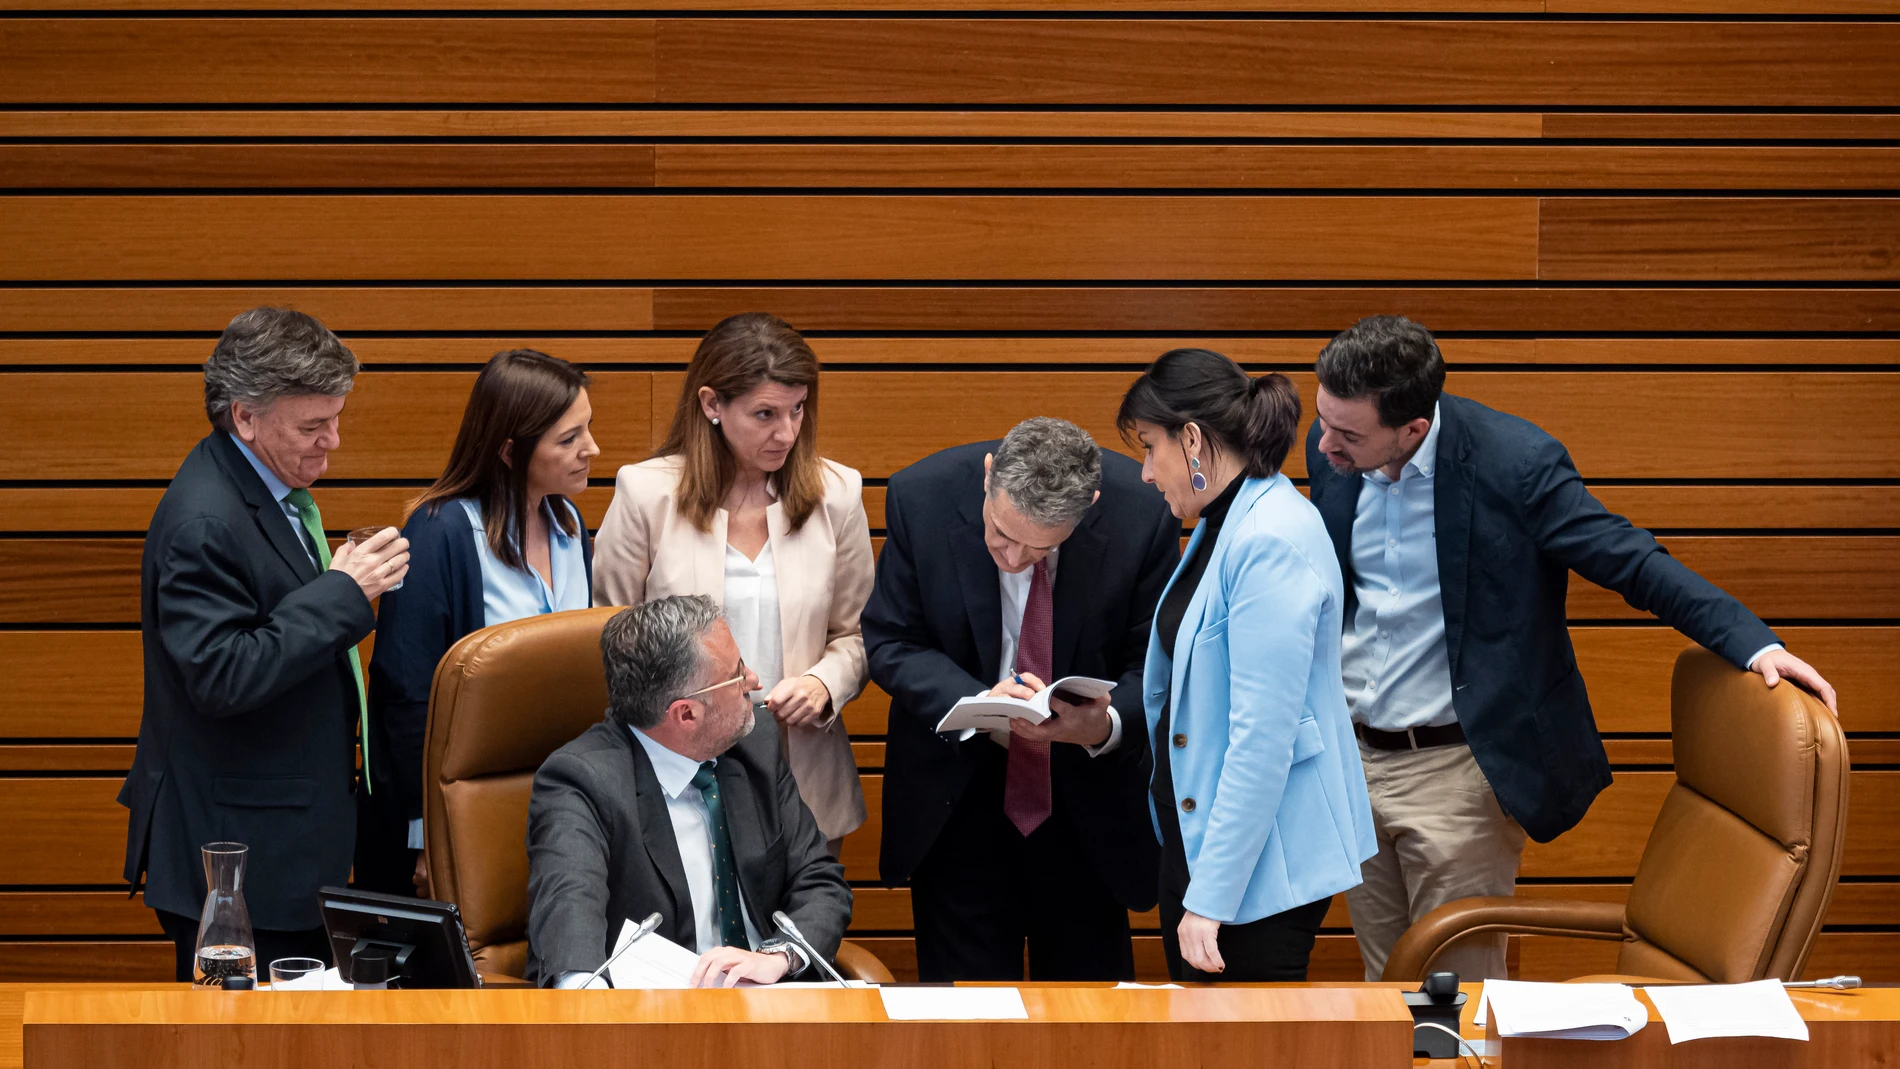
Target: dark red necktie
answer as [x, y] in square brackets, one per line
[1026, 799]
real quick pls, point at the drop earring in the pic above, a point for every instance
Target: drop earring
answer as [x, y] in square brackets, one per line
[1196, 480]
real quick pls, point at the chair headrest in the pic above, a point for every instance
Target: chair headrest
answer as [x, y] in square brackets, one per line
[518, 692]
[1746, 747]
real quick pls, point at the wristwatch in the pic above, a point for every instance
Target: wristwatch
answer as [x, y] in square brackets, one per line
[795, 962]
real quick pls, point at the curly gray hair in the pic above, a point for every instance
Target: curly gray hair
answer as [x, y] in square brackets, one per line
[1050, 468]
[271, 353]
[655, 653]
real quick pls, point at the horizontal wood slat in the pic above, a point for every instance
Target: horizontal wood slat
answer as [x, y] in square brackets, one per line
[115, 508]
[1449, 8]
[1738, 239]
[1587, 310]
[96, 580]
[332, 60]
[796, 122]
[1741, 126]
[71, 831]
[1321, 310]
[1430, 63]
[401, 424]
[87, 684]
[29, 913]
[1117, 167]
[1001, 352]
[769, 237]
[85, 962]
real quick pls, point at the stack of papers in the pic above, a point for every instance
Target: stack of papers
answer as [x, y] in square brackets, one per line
[655, 962]
[1703, 1011]
[1561, 1011]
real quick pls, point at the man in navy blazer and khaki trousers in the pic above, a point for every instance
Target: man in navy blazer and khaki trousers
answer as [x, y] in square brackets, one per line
[1457, 527]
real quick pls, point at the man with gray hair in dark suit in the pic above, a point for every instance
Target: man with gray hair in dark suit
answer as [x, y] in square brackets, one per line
[678, 803]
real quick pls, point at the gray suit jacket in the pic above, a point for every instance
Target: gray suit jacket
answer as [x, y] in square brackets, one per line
[601, 850]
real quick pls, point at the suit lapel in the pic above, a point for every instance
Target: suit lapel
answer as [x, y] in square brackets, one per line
[1075, 581]
[1453, 495]
[1337, 498]
[982, 598]
[709, 559]
[656, 834]
[270, 515]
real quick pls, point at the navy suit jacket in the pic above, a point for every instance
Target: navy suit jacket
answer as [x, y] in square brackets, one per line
[933, 632]
[440, 602]
[1513, 520]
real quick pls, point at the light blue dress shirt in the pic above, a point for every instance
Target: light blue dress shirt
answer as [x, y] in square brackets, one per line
[517, 593]
[278, 490]
[1397, 671]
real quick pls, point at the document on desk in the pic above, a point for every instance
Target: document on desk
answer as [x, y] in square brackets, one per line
[1705, 1011]
[652, 963]
[953, 1004]
[1561, 1011]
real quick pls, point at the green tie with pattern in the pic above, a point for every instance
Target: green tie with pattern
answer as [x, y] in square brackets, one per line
[306, 507]
[725, 876]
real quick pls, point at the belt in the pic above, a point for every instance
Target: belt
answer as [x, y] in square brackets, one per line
[1411, 738]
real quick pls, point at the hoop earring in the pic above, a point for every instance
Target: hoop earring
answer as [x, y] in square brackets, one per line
[1196, 480]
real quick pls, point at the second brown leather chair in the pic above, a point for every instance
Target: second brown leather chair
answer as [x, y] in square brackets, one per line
[504, 698]
[1741, 862]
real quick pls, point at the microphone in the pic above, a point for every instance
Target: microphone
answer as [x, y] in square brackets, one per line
[1832, 983]
[645, 929]
[791, 932]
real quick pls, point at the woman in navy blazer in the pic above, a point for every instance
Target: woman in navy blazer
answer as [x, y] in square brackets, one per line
[495, 539]
[1258, 796]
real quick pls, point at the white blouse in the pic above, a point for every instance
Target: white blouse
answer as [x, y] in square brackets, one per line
[752, 613]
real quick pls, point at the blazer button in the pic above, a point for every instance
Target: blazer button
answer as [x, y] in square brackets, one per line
[1180, 742]
[1187, 805]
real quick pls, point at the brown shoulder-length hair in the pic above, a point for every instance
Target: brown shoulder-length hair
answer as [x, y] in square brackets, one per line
[517, 397]
[738, 354]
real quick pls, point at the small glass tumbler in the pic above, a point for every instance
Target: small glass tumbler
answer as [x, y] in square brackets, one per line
[364, 534]
[286, 969]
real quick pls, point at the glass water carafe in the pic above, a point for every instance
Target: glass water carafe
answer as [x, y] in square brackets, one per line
[225, 944]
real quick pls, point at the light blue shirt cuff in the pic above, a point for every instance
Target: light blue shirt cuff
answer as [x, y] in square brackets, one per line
[1772, 646]
[1114, 735]
[415, 834]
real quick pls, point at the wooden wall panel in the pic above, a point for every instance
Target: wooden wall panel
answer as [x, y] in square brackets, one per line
[840, 237]
[1660, 229]
[857, 61]
[1736, 239]
[340, 60]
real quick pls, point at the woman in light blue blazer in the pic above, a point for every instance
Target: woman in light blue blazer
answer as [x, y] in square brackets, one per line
[1258, 795]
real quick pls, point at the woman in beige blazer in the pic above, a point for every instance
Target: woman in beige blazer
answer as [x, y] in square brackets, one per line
[737, 505]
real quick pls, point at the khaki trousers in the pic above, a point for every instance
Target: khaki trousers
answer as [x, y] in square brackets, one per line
[1442, 836]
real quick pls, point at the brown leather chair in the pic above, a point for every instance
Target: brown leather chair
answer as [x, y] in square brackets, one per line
[1741, 863]
[504, 698]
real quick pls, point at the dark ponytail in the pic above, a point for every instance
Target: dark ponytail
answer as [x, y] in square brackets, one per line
[1254, 419]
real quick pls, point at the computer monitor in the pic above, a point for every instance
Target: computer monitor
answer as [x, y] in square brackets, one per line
[425, 937]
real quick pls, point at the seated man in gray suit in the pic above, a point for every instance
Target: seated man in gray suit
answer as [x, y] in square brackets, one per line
[676, 803]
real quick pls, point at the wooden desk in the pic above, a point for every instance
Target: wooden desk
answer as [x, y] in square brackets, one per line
[1845, 1028]
[1361, 1027]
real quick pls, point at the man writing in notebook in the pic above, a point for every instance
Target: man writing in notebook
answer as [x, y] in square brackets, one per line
[1033, 558]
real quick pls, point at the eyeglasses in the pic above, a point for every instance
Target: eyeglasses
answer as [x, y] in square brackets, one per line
[735, 679]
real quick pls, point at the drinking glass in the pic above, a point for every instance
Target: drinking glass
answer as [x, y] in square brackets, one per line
[293, 969]
[364, 534]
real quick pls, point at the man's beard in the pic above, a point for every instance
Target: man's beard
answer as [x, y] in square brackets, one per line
[1348, 468]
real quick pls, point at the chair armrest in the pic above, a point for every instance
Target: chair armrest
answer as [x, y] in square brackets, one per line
[857, 963]
[1411, 959]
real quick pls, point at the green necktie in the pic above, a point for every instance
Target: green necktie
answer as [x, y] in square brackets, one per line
[725, 876]
[313, 522]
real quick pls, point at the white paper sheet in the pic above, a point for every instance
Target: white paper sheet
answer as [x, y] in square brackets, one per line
[953, 1004]
[1702, 1011]
[1127, 986]
[654, 962]
[1561, 1011]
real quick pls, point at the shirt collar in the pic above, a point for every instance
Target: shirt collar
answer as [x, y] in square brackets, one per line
[277, 487]
[674, 770]
[1424, 462]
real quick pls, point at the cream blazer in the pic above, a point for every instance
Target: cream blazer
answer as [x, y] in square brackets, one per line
[648, 549]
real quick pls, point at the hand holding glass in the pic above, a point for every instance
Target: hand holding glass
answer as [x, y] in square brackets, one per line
[364, 534]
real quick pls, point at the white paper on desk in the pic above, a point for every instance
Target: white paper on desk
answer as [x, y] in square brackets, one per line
[1128, 986]
[654, 962]
[953, 1004]
[1561, 1011]
[1703, 1011]
[801, 985]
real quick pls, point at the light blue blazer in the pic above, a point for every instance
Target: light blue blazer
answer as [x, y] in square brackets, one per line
[1280, 815]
